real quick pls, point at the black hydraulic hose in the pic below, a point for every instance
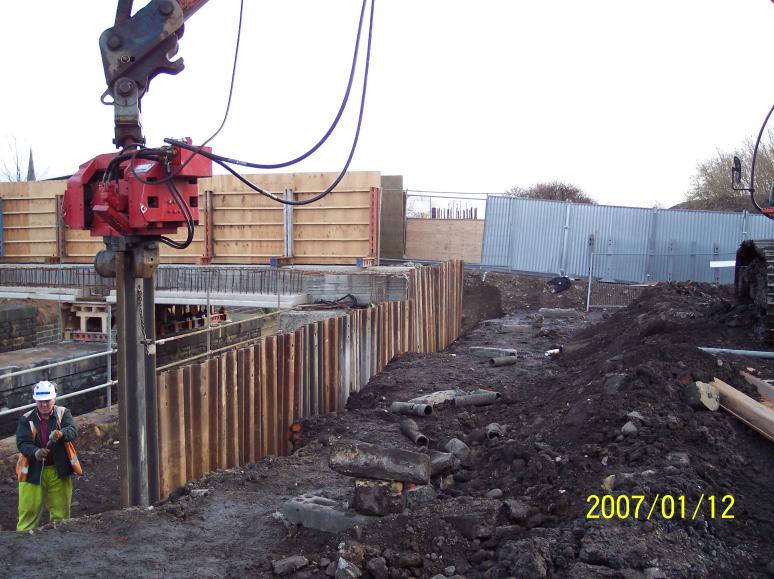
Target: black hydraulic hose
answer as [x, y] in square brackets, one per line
[754, 158]
[324, 137]
[337, 180]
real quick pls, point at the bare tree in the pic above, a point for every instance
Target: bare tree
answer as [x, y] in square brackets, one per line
[553, 191]
[711, 183]
[12, 165]
[15, 165]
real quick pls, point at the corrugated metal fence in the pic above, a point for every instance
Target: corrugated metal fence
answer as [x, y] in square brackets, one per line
[239, 406]
[555, 237]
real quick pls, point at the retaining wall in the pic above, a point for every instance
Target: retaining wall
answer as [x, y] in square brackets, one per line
[17, 327]
[238, 407]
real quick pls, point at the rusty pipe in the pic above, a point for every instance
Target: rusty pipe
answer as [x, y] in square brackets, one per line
[503, 361]
[411, 430]
[410, 408]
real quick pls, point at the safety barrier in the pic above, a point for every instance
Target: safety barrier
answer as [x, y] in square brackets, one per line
[239, 406]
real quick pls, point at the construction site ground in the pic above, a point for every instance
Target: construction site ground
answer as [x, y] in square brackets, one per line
[518, 506]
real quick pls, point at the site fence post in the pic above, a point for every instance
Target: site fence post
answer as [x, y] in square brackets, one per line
[588, 289]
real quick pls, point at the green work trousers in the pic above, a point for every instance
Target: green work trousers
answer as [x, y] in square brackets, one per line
[57, 493]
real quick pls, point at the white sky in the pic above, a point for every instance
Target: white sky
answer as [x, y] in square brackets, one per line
[620, 98]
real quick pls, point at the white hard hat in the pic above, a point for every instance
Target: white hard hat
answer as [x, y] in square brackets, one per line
[44, 390]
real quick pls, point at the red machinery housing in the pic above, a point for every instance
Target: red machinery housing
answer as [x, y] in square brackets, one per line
[128, 206]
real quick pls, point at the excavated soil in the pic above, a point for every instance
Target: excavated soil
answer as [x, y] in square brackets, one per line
[518, 505]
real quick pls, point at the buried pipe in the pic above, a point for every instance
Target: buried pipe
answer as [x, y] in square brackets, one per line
[503, 361]
[750, 353]
[477, 398]
[411, 430]
[410, 408]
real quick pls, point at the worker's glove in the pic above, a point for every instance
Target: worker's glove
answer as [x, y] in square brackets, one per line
[41, 454]
[56, 435]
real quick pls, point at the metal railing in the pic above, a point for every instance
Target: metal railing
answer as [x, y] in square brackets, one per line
[219, 278]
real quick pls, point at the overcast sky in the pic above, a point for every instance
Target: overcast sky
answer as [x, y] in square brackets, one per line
[620, 98]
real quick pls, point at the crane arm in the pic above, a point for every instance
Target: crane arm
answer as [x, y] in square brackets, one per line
[134, 50]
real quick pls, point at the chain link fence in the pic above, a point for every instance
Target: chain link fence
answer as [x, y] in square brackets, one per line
[634, 272]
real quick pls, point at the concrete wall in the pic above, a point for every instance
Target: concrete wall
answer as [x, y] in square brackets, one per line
[17, 390]
[444, 239]
[17, 327]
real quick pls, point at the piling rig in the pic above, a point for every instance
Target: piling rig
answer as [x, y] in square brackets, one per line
[135, 199]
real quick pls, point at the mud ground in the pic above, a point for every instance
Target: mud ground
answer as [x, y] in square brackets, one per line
[517, 507]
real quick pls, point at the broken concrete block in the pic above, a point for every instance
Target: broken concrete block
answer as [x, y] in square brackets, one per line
[702, 396]
[346, 570]
[419, 496]
[364, 460]
[558, 313]
[629, 429]
[517, 511]
[489, 352]
[516, 328]
[378, 568]
[442, 462]
[458, 448]
[322, 514]
[678, 458]
[289, 565]
[378, 497]
[493, 431]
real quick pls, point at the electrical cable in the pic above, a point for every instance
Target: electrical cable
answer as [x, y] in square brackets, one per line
[337, 180]
[752, 167]
[327, 134]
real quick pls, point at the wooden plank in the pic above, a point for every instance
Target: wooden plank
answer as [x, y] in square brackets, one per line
[165, 432]
[177, 442]
[270, 414]
[749, 411]
[213, 406]
[315, 384]
[247, 375]
[279, 429]
[232, 411]
[223, 422]
[201, 433]
[258, 370]
[288, 397]
[189, 424]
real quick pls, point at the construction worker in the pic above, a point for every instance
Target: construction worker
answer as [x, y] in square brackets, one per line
[40, 437]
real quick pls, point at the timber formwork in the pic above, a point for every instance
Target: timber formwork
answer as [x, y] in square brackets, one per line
[236, 226]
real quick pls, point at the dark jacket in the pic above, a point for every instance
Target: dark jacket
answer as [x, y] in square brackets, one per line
[27, 446]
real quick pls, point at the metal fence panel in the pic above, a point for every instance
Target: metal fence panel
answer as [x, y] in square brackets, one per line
[648, 244]
[604, 229]
[497, 232]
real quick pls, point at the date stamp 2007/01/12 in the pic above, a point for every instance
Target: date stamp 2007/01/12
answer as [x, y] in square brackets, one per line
[662, 506]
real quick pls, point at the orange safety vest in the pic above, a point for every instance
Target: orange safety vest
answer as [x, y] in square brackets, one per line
[23, 463]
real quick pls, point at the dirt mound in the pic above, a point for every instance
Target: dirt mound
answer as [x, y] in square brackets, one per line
[607, 418]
